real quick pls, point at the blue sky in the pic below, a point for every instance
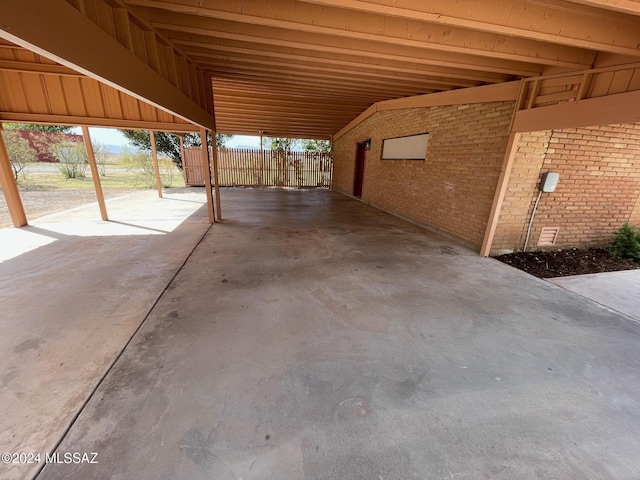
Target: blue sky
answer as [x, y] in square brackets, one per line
[106, 136]
[243, 140]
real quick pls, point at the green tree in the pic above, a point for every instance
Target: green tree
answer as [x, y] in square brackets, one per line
[168, 143]
[20, 152]
[39, 128]
[281, 143]
[320, 146]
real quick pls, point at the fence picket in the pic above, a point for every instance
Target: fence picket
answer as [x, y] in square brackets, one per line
[262, 168]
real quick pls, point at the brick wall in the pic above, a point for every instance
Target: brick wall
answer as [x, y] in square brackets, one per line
[599, 186]
[453, 189]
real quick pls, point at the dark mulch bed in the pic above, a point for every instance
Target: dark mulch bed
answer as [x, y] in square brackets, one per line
[562, 263]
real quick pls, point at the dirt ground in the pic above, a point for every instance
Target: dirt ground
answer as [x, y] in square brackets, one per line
[39, 201]
[563, 263]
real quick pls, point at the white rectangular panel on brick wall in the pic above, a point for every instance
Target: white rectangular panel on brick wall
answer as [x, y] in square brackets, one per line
[412, 147]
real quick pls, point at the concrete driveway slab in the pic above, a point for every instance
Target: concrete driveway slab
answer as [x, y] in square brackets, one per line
[310, 336]
[617, 290]
[73, 290]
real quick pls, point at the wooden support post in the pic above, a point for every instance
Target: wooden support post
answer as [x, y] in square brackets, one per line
[261, 159]
[206, 173]
[10, 188]
[503, 182]
[156, 167]
[181, 136]
[216, 183]
[94, 173]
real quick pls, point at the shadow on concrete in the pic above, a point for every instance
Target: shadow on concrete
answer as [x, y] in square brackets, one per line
[71, 302]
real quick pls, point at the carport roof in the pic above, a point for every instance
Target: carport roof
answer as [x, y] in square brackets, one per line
[306, 68]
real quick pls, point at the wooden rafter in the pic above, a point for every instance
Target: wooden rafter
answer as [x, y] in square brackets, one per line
[368, 26]
[541, 21]
[106, 42]
[35, 90]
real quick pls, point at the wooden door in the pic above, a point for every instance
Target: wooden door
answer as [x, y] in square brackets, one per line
[359, 171]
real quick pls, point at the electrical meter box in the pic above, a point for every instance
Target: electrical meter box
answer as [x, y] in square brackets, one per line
[549, 182]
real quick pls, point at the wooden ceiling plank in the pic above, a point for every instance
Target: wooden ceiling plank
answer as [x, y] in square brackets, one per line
[631, 7]
[363, 78]
[336, 91]
[73, 94]
[372, 49]
[271, 99]
[37, 68]
[524, 21]
[90, 91]
[53, 29]
[112, 104]
[55, 93]
[397, 66]
[246, 105]
[310, 78]
[330, 91]
[372, 27]
[36, 95]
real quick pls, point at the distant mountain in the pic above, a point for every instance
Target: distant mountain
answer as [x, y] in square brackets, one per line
[246, 147]
[119, 149]
[114, 149]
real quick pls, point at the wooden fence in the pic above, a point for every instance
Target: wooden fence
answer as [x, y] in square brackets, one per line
[262, 168]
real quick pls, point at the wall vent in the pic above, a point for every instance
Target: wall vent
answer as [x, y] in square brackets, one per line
[548, 236]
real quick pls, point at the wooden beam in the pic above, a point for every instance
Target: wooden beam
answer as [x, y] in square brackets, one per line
[206, 171]
[156, 167]
[631, 7]
[501, 189]
[267, 98]
[488, 93]
[181, 150]
[258, 68]
[356, 121]
[340, 59]
[10, 188]
[524, 20]
[407, 32]
[423, 56]
[74, 120]
[216, 183]
[299, 89]
[213, 57]
[95, 174]
[312, 82]
[53, 29]
[620, 108]
[39, 68]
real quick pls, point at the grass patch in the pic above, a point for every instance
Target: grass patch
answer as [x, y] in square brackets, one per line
[117, 176]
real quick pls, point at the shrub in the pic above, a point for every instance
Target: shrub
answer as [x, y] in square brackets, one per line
[101, 153]
[20, 152]
[73, 159]
[626, 243]
[141, 164]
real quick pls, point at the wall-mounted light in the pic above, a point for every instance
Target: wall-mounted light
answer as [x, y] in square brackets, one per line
[367, 144]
